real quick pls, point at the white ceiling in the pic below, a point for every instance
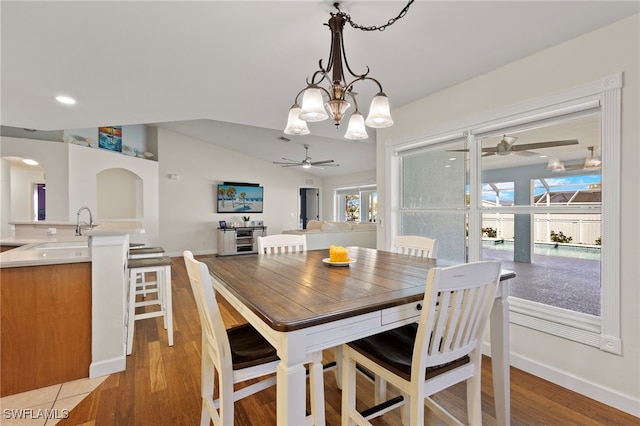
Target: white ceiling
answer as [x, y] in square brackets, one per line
[189, 65]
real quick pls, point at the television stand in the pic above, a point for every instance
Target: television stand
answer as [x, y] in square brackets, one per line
[240, 240]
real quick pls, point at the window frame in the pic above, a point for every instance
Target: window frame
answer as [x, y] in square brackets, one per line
[603, 331]
[339, 204]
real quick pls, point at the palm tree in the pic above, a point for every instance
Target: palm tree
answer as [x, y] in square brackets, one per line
[221, 195]
[231, 193]
[242, 197]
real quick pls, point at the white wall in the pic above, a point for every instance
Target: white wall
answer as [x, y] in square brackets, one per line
[188, 204]
[22, 181]
[5, 201]
[71, 171]
[53, 157]
[86, 163]
[611, 378]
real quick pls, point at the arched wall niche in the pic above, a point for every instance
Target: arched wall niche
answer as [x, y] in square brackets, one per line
[119, 194]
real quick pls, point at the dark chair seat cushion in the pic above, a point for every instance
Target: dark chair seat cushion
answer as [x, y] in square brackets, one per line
[249, 348]
[149, 261]
[393, 350]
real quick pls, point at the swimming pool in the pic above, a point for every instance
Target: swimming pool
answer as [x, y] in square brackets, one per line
[549, 249]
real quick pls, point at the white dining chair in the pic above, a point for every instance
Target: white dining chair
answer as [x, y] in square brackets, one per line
[238, 354]
[442, 349]
[408, 245]
[415, 245]
[282, 243]
[292, 243]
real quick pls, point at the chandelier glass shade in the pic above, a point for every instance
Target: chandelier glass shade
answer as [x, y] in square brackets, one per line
[356, 129]
[320, 103]
[312, 106]
[295, 126]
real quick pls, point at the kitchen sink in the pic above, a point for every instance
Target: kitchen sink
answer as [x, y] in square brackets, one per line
[61, 245]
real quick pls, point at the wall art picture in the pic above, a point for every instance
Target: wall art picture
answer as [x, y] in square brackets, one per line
[110, 138]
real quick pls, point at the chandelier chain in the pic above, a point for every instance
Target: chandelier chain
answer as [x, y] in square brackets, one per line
[390, 22]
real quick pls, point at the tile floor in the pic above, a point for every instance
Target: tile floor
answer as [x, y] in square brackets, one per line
[45, 406]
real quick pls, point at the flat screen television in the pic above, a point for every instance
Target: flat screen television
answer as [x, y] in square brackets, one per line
[240, 198]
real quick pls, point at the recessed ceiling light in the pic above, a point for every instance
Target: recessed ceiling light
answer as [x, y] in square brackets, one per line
[30, 162]
[452, 158]
[543, 156]
[65, 100]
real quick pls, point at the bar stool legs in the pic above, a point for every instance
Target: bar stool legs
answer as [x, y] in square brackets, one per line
[162, 268]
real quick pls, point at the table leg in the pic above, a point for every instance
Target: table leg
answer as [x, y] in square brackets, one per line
[291, 382]
[500, 364]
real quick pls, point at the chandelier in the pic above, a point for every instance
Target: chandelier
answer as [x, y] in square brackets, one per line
[339, 89]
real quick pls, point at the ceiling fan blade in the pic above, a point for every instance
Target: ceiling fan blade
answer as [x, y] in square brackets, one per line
[314, 163]
[488, 154]
[526, 153]
[291, 164]
[457, 150]
[282, 162]
[539, 145]
[289, 159]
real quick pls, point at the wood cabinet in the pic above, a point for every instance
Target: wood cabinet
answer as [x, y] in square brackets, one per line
[242, 240]
[46, 325]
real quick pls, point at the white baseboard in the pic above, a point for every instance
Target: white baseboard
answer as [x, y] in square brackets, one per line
[109, 366]
[610, 397]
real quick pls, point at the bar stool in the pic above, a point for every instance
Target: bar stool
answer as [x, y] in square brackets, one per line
[161, 266]
[141, 252]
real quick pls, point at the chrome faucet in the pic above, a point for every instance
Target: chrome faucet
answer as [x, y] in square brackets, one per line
[79, 224]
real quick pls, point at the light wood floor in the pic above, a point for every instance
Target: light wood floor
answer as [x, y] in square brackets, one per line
[161, 385]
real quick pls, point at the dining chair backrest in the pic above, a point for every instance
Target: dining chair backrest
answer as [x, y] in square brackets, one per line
[457, 301]
[415, 245]
[214, 333]
[282, 243]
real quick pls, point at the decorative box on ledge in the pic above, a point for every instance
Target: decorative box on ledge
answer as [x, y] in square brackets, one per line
[241, 240]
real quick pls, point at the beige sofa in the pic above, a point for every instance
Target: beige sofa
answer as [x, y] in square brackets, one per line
[322, 234]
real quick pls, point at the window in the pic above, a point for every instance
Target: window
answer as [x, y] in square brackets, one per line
[356, 204]
[552, 243]
[482, 199]
[434, 197]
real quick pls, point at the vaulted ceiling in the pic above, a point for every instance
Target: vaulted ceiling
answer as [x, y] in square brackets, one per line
[233, 68]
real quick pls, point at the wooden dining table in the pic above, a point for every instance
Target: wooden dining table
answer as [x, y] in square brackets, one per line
[301, 304]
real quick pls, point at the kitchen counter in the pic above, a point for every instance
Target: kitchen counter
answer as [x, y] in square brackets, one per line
[44, 251]
[34, 251]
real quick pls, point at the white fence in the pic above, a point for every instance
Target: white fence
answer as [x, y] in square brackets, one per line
[582, 228]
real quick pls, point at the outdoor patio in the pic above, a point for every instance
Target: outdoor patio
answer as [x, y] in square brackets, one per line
[563, 282]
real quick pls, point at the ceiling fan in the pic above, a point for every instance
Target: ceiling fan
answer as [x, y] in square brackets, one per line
[507, 146]
[590, 163]
[307, 163]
